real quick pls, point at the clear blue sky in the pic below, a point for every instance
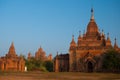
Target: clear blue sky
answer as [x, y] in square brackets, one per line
[51, 23]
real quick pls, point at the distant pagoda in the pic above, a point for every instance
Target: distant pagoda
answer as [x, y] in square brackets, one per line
[11, 62]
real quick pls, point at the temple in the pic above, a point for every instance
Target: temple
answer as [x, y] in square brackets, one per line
[40, 55]
[61, 63]
[84, 55]
[11, 62]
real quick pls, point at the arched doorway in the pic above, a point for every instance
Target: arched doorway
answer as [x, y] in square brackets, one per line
[4, 66]
[90, 67]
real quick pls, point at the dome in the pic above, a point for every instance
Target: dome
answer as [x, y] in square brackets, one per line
[40, 49]
[92, 27]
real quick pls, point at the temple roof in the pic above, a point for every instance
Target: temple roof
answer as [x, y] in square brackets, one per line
[11, 52]
[92, 26]
[73, 41]
[40, 49]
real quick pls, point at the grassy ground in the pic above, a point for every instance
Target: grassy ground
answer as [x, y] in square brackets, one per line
[57, 76]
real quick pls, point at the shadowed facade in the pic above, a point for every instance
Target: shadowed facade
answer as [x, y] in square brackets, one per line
[61, 63]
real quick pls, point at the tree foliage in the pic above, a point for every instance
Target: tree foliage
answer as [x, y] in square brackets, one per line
[49, 65]
[39, 65]
[111, 61]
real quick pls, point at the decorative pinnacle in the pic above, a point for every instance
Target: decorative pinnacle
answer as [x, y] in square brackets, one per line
[57, 53]
[72, 37]
[115, 40]
[79, 33]
[92, 14]
[12, 44]
[108, 34]
[108, 38]
[115, 44]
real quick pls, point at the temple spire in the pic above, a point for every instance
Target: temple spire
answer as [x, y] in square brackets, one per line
[57, 53]
[12, 44]
[72, 44]
[115, 44]
[80, 33]
[73, 41]
[72, 37]
[11, 51]
[92, 15]
[80, 36]
[108, 37]
[102, 32]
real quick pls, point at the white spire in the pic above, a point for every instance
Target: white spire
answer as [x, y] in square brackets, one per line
[92, 14]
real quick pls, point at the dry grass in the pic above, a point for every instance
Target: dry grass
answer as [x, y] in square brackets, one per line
[57, 76]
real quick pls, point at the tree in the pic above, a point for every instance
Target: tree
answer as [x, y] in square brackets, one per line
[39, 65]
[48, 65]
[111, 61]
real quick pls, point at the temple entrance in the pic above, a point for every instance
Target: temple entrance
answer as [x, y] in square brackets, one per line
[90, 67]
[4, 66]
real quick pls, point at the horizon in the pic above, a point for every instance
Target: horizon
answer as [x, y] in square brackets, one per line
[51, 24]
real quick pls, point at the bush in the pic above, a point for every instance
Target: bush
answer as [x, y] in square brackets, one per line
[49, 65]
[111, 61]
[38, 65]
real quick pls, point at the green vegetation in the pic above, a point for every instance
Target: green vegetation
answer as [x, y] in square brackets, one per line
[39, 65]
[48, 65]
[111, 61]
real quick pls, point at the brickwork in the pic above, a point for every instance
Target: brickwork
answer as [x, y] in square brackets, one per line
[11, 62]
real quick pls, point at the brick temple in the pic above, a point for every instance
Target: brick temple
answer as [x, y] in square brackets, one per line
[40, 54]
[12, 62]
[84, 55]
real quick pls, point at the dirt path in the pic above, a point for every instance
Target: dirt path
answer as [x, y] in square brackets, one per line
[58, 76]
